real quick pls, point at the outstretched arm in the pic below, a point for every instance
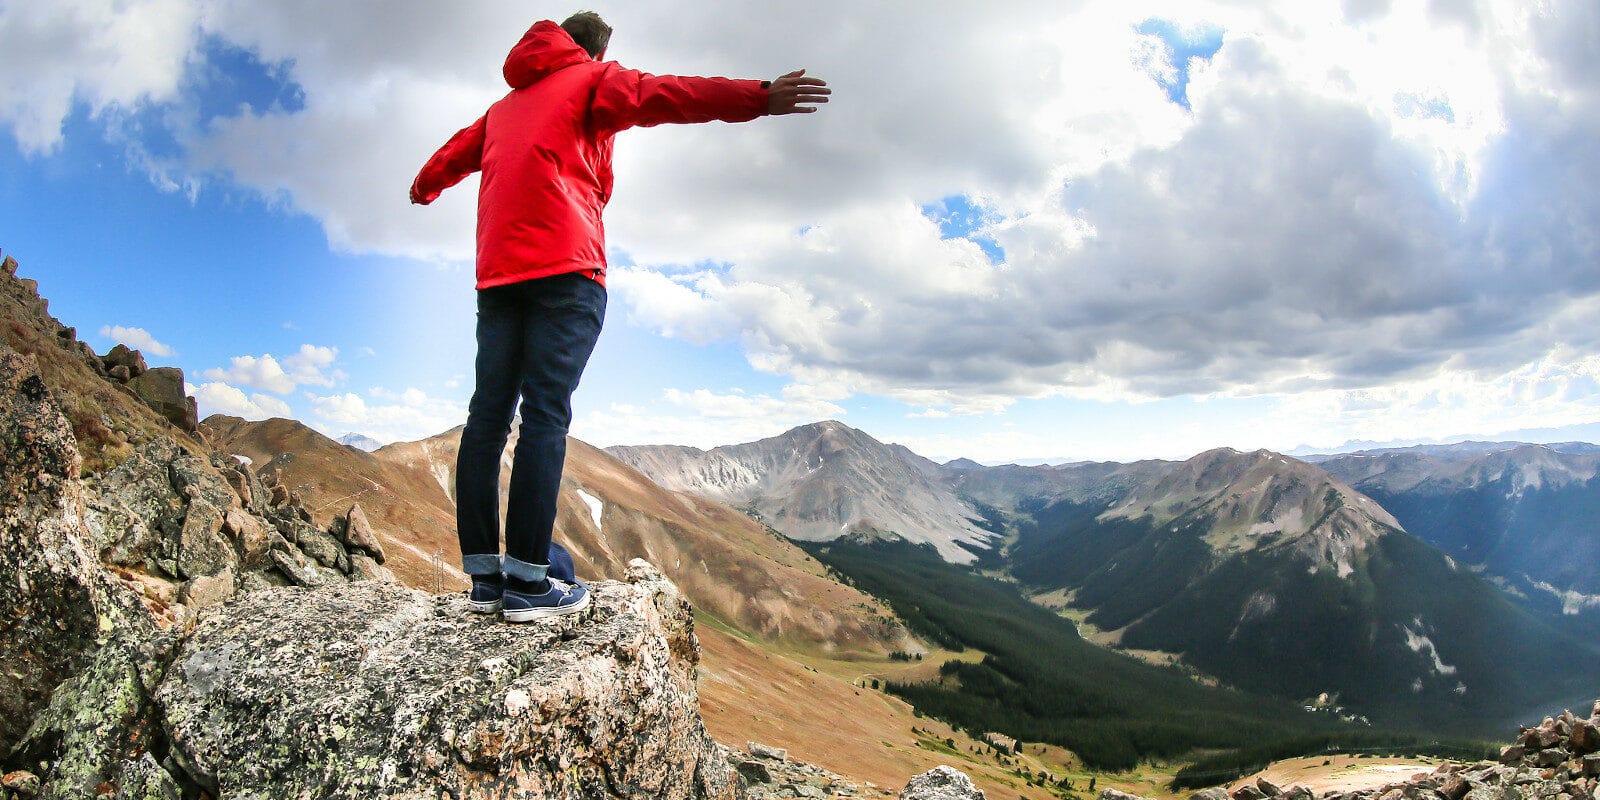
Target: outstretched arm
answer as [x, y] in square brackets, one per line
[794, 93]
[626, 98]
[458, 158]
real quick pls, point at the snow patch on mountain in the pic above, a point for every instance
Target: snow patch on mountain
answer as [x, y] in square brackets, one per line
[1420, 643]
[595, 506]
[1573, 603]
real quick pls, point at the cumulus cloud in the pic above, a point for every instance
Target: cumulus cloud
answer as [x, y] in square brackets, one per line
[216, 397]
[262, 373]
[1358, 195]
[138, 339]
[1308, 227]
[386, 415]
[310, 365]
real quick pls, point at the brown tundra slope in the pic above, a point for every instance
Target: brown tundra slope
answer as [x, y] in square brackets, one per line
[732, 568]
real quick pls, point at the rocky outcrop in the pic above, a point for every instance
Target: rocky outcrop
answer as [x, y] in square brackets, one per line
[128, 553]
[372, 690]
[177, 518]
[124, 363]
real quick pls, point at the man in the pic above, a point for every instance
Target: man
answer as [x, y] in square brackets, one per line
[545, 153]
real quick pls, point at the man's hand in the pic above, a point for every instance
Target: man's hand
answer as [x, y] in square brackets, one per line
[794, 93]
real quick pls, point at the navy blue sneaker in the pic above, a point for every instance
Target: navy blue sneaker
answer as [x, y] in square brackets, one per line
[487, 591]
[562, 599]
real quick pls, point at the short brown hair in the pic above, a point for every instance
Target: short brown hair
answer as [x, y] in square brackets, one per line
[589, 31]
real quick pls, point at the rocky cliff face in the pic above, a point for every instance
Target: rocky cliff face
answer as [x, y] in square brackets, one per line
[135, 547]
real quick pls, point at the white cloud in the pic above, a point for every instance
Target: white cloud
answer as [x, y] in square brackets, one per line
[220, 398]
[103, 53]
[138, 339]
[407, 415]
[310, 365]
[1359, 200]
[262, 373]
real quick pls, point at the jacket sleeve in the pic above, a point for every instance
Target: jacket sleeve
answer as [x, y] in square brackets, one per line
[627, 98]
[458, 158]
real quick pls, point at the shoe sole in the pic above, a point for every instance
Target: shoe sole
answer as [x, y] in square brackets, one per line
[530, 614]
[479, 607]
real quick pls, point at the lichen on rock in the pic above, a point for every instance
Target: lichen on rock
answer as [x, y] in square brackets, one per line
[369, 689]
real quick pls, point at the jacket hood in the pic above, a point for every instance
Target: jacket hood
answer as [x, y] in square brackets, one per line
[544, 49]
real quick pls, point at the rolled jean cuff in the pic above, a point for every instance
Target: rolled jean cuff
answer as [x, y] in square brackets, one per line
[523, 571]
[481, 564]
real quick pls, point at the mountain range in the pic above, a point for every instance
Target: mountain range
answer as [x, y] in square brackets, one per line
[1357, 577]
[1414, 585]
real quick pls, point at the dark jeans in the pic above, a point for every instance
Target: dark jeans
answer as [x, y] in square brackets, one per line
[534, 339]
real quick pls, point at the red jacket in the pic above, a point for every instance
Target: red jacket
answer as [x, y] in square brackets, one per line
[545, 151]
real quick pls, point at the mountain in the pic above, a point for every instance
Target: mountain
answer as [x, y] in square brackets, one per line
[1263, 500]
[1275, 576]
[821, 481]
[360, 442]
[1528, 514]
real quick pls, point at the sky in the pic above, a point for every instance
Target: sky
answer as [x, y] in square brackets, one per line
[1048, 230]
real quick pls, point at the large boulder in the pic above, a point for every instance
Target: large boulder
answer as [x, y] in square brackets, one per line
[358, 533]
[162, 390]
[131, 361]
[369, 690]
[941, 783]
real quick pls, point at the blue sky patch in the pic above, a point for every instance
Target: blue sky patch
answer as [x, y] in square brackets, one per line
[1182, 45]
[230, 77]
[958, 218]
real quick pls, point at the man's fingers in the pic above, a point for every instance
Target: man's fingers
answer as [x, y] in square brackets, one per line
[793, 93]
[784, 83]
